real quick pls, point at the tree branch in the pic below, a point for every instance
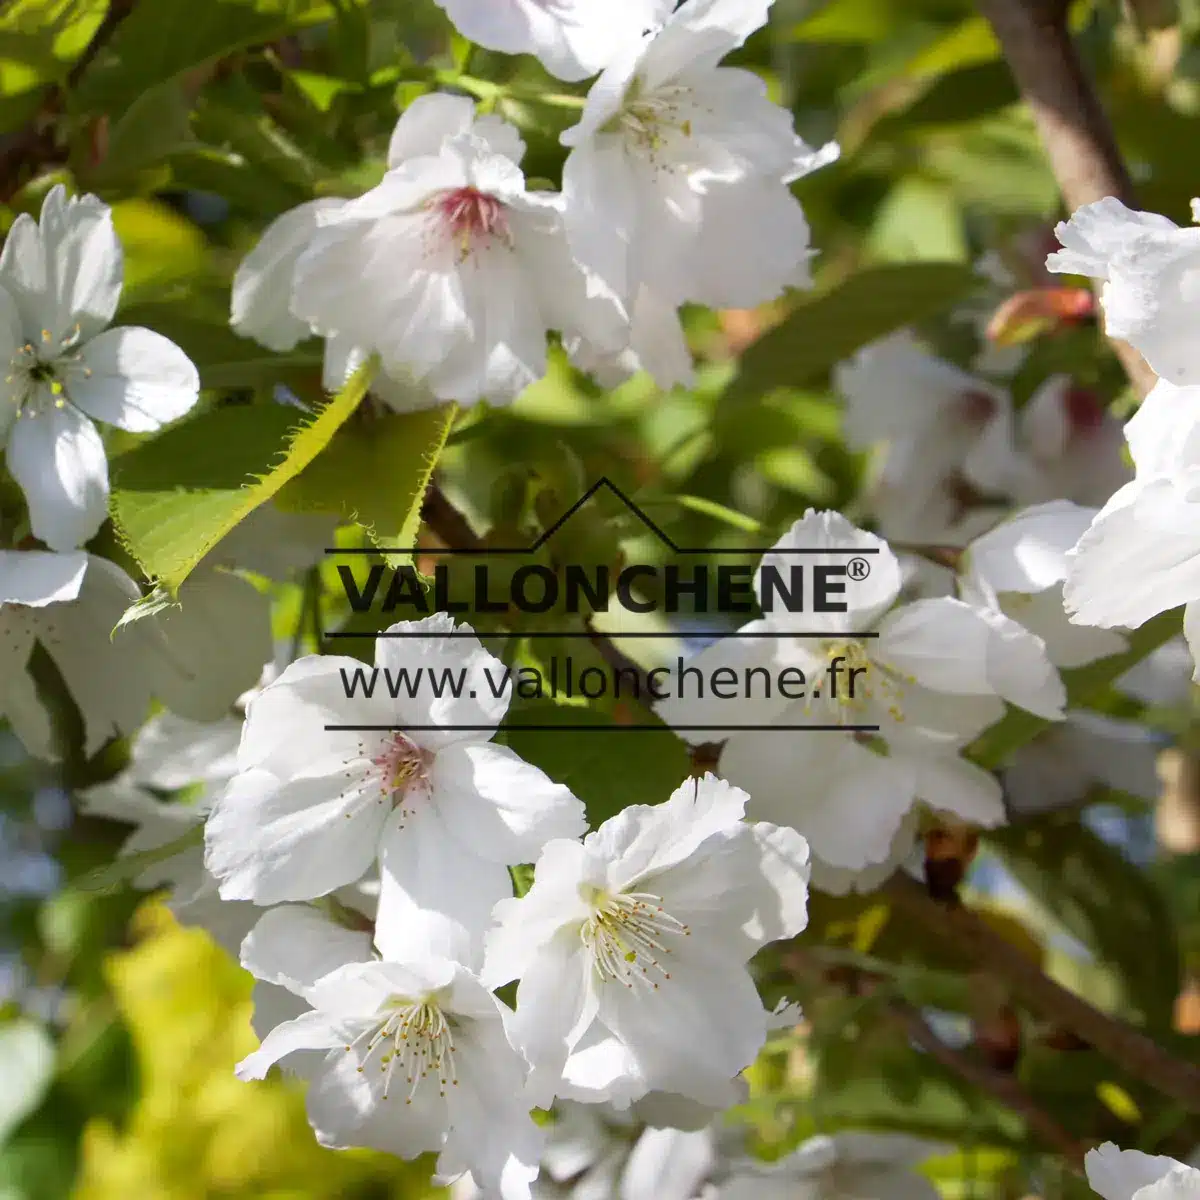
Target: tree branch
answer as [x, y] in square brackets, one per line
[1004, 1088]
[1007, 1089]
[453, 530]
[1126, 1046]
[1075, 131]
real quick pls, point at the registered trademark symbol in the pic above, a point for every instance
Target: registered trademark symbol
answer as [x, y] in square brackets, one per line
[858, 568]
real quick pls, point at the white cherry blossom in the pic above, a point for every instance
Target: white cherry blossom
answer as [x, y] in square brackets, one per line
[595, 1151]
[197, 658]
[1141, 555]
[1151, 273]
[677, 175]
[71, 603]
[631, 946]
[406, 1056]
[861, 1166]
[276, 542]
[168, 755]
[454, 274]
[1063, 765]
[946, 434]
[572, 38]
[216, 641]
[317, 797]
[264, 285]
[1070, 446]
[1131, 1175]
[1019, 567]
[924, 685]
[60, 281]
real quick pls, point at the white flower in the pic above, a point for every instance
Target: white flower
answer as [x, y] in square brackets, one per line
[656, 344]
[445, 810]
[1061, 766]
[1141, 555]
[1131, 1175]
[572, 38]
[276, 542]
[946, 435]
[170, 754]
[631, 948]
[264, 285]
[71, 603]
[1019, 568]
[595, 1151]
[1163, 677]
[1071, 446]
[847, 1166]
[676, 180]
[261, 303]
[407, 1056]
[1151, 273]
[60, 280]
[217, 639]
[923, 685]
[453, 273]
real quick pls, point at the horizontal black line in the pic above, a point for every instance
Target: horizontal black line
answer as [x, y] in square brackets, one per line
[833, 635]
[601, 728]
[501, 550]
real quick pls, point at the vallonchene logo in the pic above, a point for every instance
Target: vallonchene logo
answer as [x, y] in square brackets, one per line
[576, 589]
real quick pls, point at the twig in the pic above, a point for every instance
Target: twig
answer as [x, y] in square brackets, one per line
[1075, 132]
[451, 527]
[1126, 1046]
[1002, 1087]
[36, 145]
[454, 531]
[1007, 1089]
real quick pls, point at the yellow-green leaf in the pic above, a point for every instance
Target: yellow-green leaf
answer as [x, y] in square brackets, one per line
[178, 495]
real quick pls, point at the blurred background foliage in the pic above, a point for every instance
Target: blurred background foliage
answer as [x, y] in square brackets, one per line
[200, 121]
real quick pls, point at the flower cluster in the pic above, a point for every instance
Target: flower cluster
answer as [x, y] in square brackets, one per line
[443, 938]
[675, 190]
[629, 949]
[1140, 556]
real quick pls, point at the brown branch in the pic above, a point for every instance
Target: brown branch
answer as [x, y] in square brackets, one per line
[454, 531]
[1075, 131]
[1126, 1046]
[36, 146]
[1007, 1089]
[450, 526]
[1004, 1088]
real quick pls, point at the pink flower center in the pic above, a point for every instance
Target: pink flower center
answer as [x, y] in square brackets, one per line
[471, 217]
[403, 770]
[1084, 410]
[977, 408]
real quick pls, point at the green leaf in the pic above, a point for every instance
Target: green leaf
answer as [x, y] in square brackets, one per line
[826, 329]
[920, 220]
[176, 496]
[375, 473]
[161, 248]
[130, 866]
[26, 1066]
[154, 126]
[967, 45]
[39, 39]
[158, 42]
[608, 771]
